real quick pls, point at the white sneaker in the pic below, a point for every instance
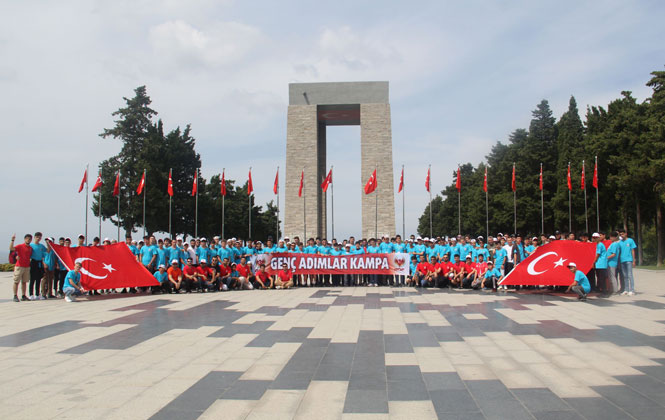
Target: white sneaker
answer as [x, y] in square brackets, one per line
[624, 293]
[631, 293]
[278, 287]
[68, 299]
[33, 297]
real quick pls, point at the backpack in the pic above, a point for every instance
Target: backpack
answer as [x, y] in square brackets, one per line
[13, 257]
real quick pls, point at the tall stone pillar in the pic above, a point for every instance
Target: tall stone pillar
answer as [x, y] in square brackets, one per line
[377, 152]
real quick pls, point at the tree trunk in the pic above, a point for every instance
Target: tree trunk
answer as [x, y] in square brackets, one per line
[659, 231]
[638, 231]
[625, 219]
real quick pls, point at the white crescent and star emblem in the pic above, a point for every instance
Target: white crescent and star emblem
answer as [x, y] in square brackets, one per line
[85, 272]
[531, 269]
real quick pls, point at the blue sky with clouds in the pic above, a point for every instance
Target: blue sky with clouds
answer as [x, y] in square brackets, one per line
[462, 76]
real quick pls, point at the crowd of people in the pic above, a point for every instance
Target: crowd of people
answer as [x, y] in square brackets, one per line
[225, 264]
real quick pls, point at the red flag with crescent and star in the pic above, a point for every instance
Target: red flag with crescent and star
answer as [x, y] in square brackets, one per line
[485, 180]
[512, 182]
[427, 181]
[275, 187]
[139, 190]
[370, 186]
[548, 265]
[223, 188]
[458, 182]
[583, 178]
[327, 181]
[106, 267]
[540, 183]
[250, 185]
[195, 184]
[84, 181]
[401, 182]
[570, 182]
[98, 183]
[116, 185]
[302, 179]
[169, 187]
[595, 175]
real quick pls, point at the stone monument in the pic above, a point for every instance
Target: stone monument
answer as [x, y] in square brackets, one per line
[313, 107]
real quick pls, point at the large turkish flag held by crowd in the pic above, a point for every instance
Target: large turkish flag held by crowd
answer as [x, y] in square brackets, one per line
[106, 267]
[548, 265]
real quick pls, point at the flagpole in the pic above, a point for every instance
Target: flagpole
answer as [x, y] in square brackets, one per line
[277, 227]
[118, 205]
[196, 206]
[223, 196]
[304, 209]
[586, 214]
[99, 199]
[487, 208]
[542, 203]
[570, 206]
[376, 206]
[429, 187]
[459, 204]
[332, 203]
[86, 204]
[514, 203]
[595, 172]
[170, 200]
[249, 208]
[403, 211]
[144, 193]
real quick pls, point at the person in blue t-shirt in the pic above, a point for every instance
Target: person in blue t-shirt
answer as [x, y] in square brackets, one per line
[281, 247]
[148, 253]
[499, 258]
[627, 262]
[492, 274]
[581, 284]
[36, 266]
[72, 287]
[385, 246]
[50, 266]
[613, 261]
[203, 252]
[163, 278]
[162, 253]
[373, 249]
[600, 264]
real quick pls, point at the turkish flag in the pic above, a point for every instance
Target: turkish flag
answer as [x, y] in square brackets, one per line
[84, 181]
[327, 181]
[595, 175]
[427, 180]
[570, 182]
[250, 186]
[370, 186]
[548, 265]
[139, 190]
[116, 186]
[540, 184]
[302, 179]
[583, 180]
[169, 187]
[275, 187]
[106, 267]
[223, 189]
[401, 182]
[458, 183]
[195, 185]
[512, 182]
[98, 183]
[485, 181]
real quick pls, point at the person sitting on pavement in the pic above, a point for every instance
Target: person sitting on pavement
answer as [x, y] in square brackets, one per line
[72, 287]
[580, 284]
[284, 278]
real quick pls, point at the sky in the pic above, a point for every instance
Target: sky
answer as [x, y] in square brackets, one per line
[463, 75]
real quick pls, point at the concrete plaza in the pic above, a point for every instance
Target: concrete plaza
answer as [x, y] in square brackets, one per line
[336, 353]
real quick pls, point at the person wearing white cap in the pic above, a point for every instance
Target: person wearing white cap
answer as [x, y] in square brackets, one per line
[600, 264]
[163, 279]
[204, 252]
[580, 284]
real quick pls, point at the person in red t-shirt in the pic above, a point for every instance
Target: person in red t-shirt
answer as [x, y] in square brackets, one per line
[444, 272]
[460, 270]
[192, 276]
[424, 270]
[470, 274]
[22, 266]
[208, 277]
[175, 277]
[226, 282]
[284, 278]
[481, 269]
[246, 276]
[263, 278]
